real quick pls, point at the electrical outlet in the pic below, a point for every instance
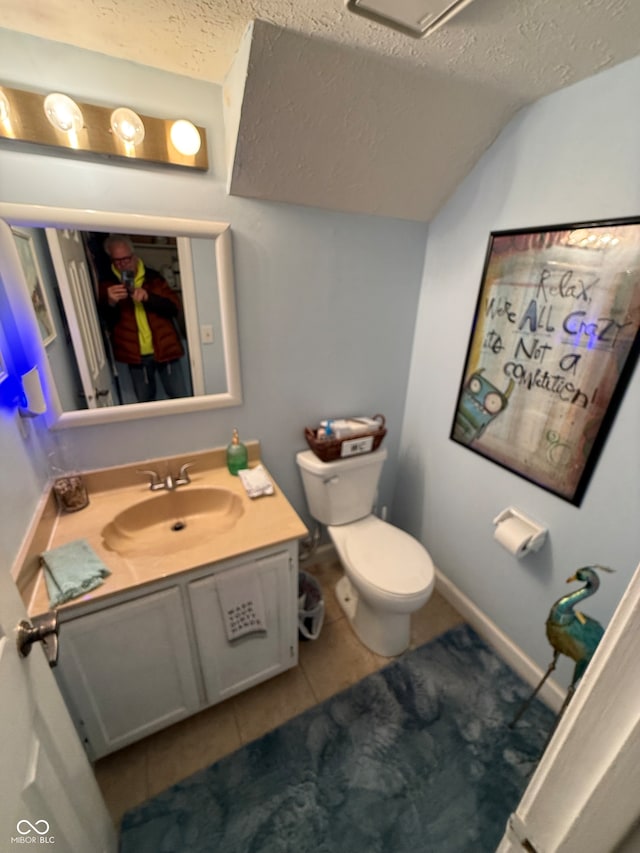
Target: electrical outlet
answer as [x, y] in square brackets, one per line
[206, 334]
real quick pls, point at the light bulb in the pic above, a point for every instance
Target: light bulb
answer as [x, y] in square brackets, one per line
[4, 106]
[185, 137]
[63, 113]
[127, 126]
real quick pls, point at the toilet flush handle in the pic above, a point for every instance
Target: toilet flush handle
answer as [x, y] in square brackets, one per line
[330, 481]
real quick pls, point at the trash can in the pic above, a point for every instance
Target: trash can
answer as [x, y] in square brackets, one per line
[310, 607]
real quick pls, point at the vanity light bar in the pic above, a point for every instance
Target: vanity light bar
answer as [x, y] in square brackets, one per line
[57, 121]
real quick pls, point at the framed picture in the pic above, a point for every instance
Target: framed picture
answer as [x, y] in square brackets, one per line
[554, 342]
[33, 275]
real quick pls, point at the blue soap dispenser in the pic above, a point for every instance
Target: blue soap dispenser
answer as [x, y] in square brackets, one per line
[237, 456]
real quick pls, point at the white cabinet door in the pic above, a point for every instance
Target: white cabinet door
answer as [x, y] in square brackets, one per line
[128, 671]
[231, 666]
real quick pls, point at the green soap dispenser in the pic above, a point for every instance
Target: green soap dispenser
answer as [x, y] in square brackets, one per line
[237, 457]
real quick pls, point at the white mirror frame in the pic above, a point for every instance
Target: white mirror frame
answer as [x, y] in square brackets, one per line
[38, 216]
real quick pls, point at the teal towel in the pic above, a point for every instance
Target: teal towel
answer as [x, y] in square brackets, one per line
[71, 570]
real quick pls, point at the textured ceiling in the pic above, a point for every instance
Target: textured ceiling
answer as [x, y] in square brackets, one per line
[530, 47]
[475, 72]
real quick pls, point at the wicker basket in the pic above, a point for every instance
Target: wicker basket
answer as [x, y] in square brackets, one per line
[331, 449]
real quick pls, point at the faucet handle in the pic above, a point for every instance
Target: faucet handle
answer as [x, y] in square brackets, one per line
[154, 481]
[183, 476]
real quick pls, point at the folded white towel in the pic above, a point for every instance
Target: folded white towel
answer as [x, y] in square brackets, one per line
[256, 481]
[241, 603]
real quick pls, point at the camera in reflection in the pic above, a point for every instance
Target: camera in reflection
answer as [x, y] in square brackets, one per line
[128, 280]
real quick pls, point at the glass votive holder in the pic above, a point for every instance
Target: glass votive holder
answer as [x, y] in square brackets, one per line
[71, 493]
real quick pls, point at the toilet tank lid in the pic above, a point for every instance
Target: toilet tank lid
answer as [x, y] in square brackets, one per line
[309, 461]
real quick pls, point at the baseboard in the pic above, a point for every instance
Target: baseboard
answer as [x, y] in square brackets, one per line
[551, 693]
[325, 553]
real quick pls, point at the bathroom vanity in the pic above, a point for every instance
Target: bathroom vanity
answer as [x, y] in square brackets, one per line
[149, 647]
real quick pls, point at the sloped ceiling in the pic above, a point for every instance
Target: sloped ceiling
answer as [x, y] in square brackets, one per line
[338, 111]
[325, 125]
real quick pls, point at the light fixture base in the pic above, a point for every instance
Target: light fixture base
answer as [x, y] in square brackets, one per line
[23, 120]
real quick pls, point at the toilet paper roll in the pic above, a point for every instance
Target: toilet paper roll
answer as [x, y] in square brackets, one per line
[33, 392]
[514, 534]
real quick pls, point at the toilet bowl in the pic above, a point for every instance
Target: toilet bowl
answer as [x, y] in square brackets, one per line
[388, 576]
[387, 573]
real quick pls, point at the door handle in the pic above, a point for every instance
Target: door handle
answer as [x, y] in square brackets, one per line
[43, 629]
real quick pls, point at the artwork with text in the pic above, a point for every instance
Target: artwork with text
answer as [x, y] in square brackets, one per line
[554, 342]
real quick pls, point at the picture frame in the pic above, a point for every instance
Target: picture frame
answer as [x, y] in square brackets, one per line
[554, 342]
[33, 275]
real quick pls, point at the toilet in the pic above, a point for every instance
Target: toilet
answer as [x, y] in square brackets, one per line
[387, 573]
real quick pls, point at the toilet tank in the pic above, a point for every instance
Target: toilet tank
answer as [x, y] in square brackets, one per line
[342, 491]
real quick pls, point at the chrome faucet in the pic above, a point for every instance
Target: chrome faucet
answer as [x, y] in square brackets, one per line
[169, 483]
[183, 478]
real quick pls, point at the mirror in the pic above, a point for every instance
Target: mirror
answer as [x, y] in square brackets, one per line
[194, 256]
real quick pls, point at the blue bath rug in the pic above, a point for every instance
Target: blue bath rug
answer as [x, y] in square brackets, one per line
[416, 758]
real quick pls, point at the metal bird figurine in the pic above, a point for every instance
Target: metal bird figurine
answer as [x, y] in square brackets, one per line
[571, 633]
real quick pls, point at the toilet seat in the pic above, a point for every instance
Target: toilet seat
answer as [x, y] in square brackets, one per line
[384, 557]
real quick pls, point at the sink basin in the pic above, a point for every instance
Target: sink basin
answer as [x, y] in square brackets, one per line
[173, 521]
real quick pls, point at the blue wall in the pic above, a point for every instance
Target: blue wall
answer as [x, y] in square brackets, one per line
[571, 157]
[326, 301]
[327, 306]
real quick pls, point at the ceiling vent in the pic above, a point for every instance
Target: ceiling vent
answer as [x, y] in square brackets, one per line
[417, 18]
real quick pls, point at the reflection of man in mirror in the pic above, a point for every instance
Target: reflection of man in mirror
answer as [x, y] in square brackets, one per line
[140, 311]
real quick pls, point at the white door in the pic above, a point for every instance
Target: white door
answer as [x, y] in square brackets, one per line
[72, 271]
[48, 793]
[584, 795]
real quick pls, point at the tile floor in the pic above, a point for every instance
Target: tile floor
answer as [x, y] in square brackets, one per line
[326, 665]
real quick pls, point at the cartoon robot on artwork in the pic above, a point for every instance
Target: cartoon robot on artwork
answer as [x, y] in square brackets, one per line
[480, 403]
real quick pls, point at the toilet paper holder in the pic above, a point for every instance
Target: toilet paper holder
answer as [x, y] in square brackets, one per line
[531, 535]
